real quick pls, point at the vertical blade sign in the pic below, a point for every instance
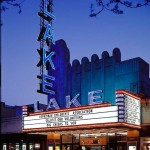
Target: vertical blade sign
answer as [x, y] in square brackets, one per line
[45, 38]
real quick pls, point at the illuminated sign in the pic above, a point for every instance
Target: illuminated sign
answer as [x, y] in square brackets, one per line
[24, 111]
[129, 108]
[46, 37]
[93, 141]
[127, 111]
[92, 97]
[132, 110]
[72, 117]
[46, 62]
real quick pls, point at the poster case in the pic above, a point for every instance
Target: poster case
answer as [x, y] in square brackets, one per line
[132, 145]
[37, 146]
[17, 146]
[4, 146]
[57, 147]
[50, 148]
[24, 146]
[30, 146]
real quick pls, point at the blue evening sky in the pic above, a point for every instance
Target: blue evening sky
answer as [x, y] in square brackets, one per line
[84, 36]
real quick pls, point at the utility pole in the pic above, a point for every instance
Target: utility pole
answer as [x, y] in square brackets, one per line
[0, 50]
[0, 68]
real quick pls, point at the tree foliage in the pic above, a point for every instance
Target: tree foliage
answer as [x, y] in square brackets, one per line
[5, 5]
[115, 6]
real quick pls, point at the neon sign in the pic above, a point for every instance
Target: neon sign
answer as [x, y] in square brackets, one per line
[46, 37]
[46, 62]
[92, 97]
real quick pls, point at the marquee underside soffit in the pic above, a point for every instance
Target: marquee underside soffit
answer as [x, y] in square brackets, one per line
[108, 131]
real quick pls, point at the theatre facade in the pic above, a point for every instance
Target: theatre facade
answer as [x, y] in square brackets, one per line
[98, 104]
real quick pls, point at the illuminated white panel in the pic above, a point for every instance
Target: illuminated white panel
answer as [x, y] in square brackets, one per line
[35, 126]
[73, 118]
[37, 121]
[30, 117]
[132, 110]
[69, 113]
[71, 123]
[129, 109]
[69, 118]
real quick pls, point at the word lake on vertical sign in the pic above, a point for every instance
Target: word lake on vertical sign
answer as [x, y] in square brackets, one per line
[45, 38]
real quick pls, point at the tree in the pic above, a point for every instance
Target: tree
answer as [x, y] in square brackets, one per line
[6, 3]
[116, 6]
